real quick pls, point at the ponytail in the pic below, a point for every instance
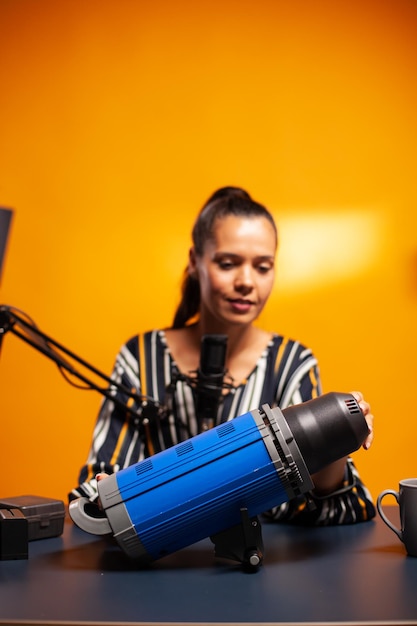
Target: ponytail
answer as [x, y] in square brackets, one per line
[190, 301]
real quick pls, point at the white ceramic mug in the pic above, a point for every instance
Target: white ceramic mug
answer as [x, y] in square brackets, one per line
[406, 498]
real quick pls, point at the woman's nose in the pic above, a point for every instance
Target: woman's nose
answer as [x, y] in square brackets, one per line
[244, 280]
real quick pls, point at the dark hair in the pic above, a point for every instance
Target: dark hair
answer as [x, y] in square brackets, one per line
[222, 203]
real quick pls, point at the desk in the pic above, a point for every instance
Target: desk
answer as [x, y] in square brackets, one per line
[333, 575]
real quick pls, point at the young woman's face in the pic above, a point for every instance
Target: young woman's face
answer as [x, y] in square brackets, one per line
[236, 270]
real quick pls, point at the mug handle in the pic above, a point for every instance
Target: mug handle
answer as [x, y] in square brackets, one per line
[382, 495]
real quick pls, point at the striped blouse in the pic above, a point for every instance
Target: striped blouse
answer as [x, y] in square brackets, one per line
[286, 374]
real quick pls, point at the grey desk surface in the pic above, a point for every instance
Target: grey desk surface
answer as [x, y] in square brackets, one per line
[348, 574]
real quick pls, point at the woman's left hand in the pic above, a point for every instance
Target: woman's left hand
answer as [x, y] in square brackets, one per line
[366, 410]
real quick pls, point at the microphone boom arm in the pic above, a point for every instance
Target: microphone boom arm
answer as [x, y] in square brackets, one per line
[12, 321]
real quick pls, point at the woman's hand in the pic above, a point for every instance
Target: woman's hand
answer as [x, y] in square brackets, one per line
[366, 410]
[99, 477]
[331, 477]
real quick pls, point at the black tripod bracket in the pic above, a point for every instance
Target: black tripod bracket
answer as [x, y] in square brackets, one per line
[242, 542]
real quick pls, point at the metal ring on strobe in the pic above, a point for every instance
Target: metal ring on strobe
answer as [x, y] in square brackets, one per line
[119, 519]
[283, 450]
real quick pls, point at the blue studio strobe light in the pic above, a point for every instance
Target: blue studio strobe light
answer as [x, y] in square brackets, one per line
[216, 483]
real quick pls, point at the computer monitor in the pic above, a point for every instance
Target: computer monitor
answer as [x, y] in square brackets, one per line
[5, 223]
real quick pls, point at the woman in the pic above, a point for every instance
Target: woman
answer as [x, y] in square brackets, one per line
[228, 280]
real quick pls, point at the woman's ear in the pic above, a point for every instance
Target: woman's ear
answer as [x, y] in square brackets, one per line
[192, 263]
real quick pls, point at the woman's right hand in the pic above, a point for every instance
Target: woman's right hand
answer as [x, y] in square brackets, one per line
[99, 477]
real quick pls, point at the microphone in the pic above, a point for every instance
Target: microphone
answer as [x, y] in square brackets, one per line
[209, 381]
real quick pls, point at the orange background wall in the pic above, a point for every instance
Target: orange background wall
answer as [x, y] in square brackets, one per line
[117, 120]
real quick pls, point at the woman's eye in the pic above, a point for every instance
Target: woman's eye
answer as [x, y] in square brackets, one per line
[264, 269]
[225, 265]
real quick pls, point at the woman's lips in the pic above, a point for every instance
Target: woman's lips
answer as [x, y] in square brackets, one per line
[241, 306]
